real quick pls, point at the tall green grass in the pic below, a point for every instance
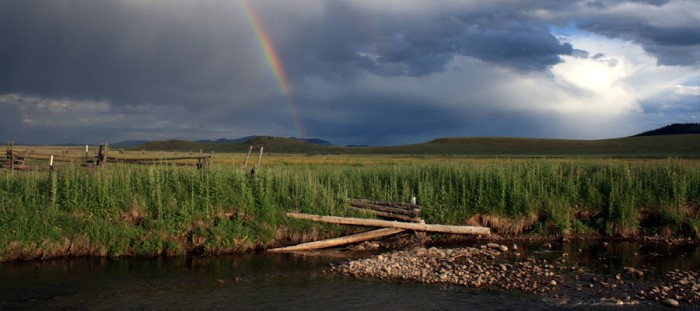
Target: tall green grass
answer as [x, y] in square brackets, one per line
[153, 210]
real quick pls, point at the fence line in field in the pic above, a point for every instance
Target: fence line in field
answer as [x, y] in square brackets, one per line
[27, 159]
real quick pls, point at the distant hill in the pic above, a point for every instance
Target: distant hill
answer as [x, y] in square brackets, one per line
[687, 145]
[270, 143]
[675, 140]
[315, 141]
[225, 144]
[227, 141]
[129, 143]
[673, 129]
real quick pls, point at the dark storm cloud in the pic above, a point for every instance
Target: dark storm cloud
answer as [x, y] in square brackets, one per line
[127, 52]
[394, 45]
[193, 69]
[382, 118]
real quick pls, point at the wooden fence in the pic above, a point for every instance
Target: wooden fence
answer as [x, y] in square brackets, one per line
[31, 160]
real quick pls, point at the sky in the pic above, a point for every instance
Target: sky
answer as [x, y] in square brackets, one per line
[358, 72]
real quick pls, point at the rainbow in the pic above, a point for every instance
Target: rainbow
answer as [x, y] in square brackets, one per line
[273, 61]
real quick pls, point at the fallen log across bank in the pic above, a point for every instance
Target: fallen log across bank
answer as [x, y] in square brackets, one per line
[393, 224]
[360, 237]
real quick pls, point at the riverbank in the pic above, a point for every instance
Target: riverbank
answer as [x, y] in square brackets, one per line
[561, 277]
[123, 210]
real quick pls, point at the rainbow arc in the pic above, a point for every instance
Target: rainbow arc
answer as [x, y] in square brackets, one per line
[274, 62]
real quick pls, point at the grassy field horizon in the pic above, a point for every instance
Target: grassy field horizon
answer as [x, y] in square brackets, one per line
[684, 145]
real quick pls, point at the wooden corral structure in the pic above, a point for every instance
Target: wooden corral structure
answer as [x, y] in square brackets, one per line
[29, 159]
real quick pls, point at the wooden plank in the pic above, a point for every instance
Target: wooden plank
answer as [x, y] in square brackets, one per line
[360, 237]
[41, 156]
[388, 204]
[387, 209]
[393, 224]
[388, 215]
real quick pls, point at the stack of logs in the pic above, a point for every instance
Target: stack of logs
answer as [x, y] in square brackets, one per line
[402, 217]
[389, 210]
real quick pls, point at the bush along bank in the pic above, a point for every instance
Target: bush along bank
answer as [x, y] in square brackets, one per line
[160, 210]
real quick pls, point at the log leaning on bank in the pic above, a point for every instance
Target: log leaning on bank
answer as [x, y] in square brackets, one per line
[389, 210]
[398, 205]
[388, 215]
[360, 237]
[394, 224]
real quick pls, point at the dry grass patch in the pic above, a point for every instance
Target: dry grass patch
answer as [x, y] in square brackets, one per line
[504, 225]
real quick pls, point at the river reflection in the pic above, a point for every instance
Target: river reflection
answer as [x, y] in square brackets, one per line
[287, 282]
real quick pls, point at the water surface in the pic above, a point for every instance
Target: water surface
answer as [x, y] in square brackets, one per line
[291, 282]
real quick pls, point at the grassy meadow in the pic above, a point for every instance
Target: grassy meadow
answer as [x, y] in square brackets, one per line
[164, 210]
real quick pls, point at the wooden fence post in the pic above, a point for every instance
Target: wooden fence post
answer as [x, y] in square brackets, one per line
[99, 154]
[245, 164]
[259, 157]
[102, 155]
[10, 154]
[50, 191]
[105, 154]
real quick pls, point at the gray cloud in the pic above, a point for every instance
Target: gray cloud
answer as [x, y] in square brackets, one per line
[415, 46]
[182, 69]
[666, 29]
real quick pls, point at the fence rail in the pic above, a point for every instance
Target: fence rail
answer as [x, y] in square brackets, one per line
[30, 160]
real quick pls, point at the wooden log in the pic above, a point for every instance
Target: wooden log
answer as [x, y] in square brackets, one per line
[360, 237]
[388, 215]
[393, 224]
[101, 157]
[387, 209]
[115, 159]
[42, 156]
[387, 203]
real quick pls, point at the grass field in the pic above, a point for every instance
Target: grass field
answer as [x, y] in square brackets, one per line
[161, 210]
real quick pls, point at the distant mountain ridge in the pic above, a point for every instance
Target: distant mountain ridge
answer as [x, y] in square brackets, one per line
[228, 141]
[673, 129]
[129, 143]
[247, 140]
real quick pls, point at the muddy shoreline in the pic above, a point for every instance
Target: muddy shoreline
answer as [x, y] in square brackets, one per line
[561, 278]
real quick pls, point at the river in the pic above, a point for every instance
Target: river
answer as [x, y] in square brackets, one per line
[293, 282]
